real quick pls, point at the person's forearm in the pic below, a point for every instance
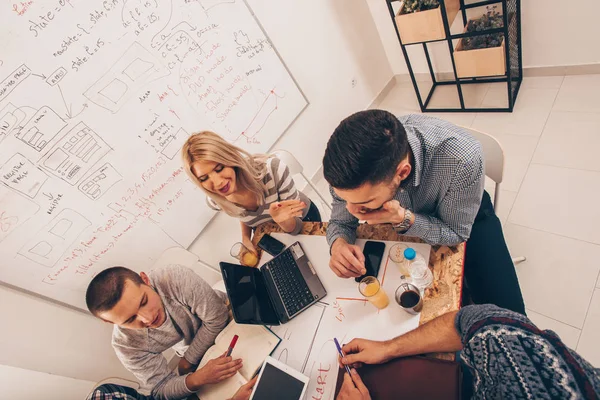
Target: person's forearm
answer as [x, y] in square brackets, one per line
[338, 229]
[194, 381]
[439, 335]
[246, 231]
[434, 231]
[289, 225]
[172, 388]
[342, 223]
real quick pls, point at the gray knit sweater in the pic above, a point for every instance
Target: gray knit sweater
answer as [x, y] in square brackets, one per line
[195, 315]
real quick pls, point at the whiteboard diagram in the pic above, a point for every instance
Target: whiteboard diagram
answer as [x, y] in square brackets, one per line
[96, 100]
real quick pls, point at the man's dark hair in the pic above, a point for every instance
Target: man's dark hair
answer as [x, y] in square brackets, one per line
[365, 147]
[106, 289]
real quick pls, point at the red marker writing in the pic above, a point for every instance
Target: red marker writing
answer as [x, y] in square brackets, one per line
[232, 345]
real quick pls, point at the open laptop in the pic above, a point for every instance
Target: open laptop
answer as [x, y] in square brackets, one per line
[274, 293]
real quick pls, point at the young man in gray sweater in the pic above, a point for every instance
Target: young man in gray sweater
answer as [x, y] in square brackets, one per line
[170, 307]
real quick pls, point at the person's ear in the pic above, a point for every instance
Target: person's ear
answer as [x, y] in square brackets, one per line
[100, 317]
[403, 170]
[145, 278]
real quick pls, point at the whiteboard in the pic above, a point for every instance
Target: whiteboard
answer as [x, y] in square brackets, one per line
[96, 100]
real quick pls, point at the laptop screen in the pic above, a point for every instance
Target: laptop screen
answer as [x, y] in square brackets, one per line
[248, 295]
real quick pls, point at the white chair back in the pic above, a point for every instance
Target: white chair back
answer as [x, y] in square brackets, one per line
[291, 161]
[494, 159]
[179, 255]
[297, 169]
[494, 166]
[493, 152]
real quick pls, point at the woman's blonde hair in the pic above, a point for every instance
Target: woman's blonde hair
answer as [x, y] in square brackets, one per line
[249, 169]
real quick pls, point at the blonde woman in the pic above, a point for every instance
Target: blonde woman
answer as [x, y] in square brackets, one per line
[252, 187]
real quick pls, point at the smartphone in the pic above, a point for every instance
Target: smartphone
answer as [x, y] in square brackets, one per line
[373, 252]
[271, 245]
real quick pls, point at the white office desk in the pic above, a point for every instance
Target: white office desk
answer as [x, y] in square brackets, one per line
[307, 340]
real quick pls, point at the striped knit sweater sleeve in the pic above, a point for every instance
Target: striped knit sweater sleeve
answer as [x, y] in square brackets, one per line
[285, 187]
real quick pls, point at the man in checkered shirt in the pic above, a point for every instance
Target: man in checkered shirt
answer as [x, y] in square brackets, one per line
[426, 177]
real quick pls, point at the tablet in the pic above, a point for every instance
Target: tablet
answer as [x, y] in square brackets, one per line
[276, 378]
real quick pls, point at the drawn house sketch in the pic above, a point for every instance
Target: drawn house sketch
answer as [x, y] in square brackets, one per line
[22, 175]
[10, 119]
[41, 128]
[173, 146]
[75, 154]
[99, 181]
[54, 239]
[131, 71]
[14, 211]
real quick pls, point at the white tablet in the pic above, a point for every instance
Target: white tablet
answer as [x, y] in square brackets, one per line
[276, 378]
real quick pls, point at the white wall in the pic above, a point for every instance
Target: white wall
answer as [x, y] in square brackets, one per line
[554, 33]
[387, 33]
[558, 33]
[325, 44]
[23, 384]
[43, 336]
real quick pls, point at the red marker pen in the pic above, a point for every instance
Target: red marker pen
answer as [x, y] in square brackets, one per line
[232, 345]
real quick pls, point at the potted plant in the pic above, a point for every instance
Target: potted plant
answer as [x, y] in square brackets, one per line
[421, 20]
[482, 55]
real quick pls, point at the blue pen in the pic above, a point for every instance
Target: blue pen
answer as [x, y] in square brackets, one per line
[339, 349]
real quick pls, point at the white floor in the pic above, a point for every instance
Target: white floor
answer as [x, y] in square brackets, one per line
[548, 201]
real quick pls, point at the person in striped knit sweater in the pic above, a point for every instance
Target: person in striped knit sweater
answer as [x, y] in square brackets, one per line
[254, 188]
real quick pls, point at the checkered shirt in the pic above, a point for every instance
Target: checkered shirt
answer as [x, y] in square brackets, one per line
[110, 391]
[444, 190]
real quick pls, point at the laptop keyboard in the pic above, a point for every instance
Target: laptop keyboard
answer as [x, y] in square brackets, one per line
[291, 284]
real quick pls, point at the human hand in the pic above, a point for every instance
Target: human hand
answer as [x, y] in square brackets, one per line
[353, 390]
[282, 211]
[390, 212]
[246, 241]
[347, 260]
[363, 351]
[218, 369]
[185, 367]
[245, 391]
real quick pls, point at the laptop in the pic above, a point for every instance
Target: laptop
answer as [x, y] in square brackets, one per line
[274, 293]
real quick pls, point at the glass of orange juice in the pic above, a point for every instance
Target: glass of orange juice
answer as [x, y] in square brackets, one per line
[242, 253]
[370, 287]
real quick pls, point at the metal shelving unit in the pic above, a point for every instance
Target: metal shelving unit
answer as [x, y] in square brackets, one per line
[511, 29]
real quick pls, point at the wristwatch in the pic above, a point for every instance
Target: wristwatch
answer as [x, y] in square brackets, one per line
[405, 224]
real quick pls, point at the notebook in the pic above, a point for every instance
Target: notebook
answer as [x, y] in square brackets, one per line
[410, 378]
[255, 343]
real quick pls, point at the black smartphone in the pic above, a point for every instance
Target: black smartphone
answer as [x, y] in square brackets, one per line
[373, 253]
[271, 245]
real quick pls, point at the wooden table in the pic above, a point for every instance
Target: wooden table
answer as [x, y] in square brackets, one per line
[445, 262]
